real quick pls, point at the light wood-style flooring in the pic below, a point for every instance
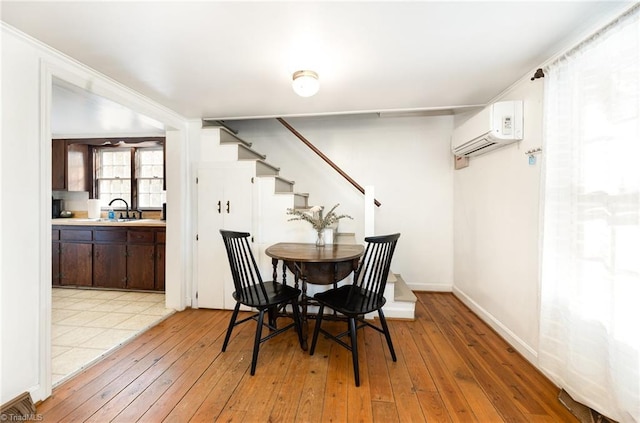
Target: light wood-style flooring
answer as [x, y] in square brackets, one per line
[451, 368]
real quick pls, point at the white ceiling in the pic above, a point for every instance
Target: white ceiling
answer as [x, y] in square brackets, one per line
[228, 60]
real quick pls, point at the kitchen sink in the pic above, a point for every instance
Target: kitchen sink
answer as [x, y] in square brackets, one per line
[116, 220]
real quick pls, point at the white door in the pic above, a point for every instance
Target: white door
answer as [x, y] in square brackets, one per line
[224, 202]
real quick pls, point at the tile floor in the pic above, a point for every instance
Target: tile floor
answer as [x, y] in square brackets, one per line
[86, 324]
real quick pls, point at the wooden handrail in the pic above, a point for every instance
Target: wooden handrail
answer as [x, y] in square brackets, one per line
[325, 158]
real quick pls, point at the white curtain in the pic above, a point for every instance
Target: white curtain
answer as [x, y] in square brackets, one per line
[590, 274]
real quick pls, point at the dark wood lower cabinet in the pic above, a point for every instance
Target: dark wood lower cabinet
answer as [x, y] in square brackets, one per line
[110, 265]
[141, 266]
[160, 264]
[109, 257]
[76, 261]
[55, 257]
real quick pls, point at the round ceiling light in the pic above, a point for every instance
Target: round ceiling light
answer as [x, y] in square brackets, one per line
[305, 83]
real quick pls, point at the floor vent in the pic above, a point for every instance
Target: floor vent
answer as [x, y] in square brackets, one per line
[20, 408]
[581, 411]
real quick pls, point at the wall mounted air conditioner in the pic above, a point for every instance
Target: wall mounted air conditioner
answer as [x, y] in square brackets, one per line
[495, 126]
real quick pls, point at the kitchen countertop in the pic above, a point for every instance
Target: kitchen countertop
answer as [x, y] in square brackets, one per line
[103, 222]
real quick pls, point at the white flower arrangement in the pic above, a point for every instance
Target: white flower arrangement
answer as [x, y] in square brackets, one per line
[314, 216]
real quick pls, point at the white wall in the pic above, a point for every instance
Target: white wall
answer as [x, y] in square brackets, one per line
[406, 159]
[25, 211]
[20, 273]
[496, 230]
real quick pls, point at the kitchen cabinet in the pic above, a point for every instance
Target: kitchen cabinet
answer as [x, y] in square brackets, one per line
[70, 166]
[58, 165]
[76, 257]
[109, 265]
[76, 261]
[55, 257]
[160, 260]
[225, 199]
[72, 260]
[108, 257]
[141, 253]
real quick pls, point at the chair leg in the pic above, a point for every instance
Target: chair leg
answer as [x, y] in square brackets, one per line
[354, 348]
[316, 330]
[272, 314]
[296, 321]
[256, 343]
[387, 334]
[232, 323]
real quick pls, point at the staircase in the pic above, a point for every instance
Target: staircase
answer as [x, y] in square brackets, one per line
[273, 195]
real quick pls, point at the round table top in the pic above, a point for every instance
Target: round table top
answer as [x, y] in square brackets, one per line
[301, 252]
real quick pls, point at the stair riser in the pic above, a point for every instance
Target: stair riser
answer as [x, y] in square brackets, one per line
[300, 201]
[228, 137]
[244, 153]
[263, 169]
[283, 186]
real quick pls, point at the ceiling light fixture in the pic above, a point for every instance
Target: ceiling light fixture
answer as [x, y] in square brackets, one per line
[305, 83]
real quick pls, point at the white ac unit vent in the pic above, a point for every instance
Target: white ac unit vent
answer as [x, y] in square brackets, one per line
[495, 126]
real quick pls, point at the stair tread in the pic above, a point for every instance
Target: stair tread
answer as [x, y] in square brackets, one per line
[274, 167]
[402, 291]
[228, 137]
[215, 123]
[298, 194]
[278, 177]
[259, 156]
[264, 169]
[285, 179]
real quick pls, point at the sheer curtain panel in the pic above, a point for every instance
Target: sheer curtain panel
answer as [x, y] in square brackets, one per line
[590, 272]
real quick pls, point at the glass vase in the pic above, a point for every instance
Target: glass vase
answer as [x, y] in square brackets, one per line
[320, 239]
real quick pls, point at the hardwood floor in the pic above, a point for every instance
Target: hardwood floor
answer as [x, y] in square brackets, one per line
[451, 368]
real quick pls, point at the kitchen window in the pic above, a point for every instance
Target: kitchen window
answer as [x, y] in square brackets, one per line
[133, 174]
[149, 178]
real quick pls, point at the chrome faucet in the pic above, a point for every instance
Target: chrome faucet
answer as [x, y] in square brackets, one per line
[125, 203]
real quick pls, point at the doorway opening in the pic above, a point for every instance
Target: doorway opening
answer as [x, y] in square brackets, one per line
[87, 324]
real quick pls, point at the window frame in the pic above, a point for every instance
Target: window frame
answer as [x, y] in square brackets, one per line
[133, 177]
[136, 177]
[98, 166]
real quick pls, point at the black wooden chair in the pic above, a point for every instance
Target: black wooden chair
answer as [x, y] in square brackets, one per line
[252, 291]
[365, 295]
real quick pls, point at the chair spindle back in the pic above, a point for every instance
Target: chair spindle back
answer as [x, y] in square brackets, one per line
[374, 266]
[246, 276]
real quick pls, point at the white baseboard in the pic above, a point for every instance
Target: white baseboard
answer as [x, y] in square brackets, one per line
[522, 347]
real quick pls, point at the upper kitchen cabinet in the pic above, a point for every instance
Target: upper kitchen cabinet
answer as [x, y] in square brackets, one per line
[58, 165]
[70, 167]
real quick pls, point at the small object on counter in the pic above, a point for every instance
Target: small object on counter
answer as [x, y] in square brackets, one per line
[56, 208]
[112, 214]
[66, 213]
[93, 209]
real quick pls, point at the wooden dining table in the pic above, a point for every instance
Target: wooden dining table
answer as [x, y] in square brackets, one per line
[310, 264]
